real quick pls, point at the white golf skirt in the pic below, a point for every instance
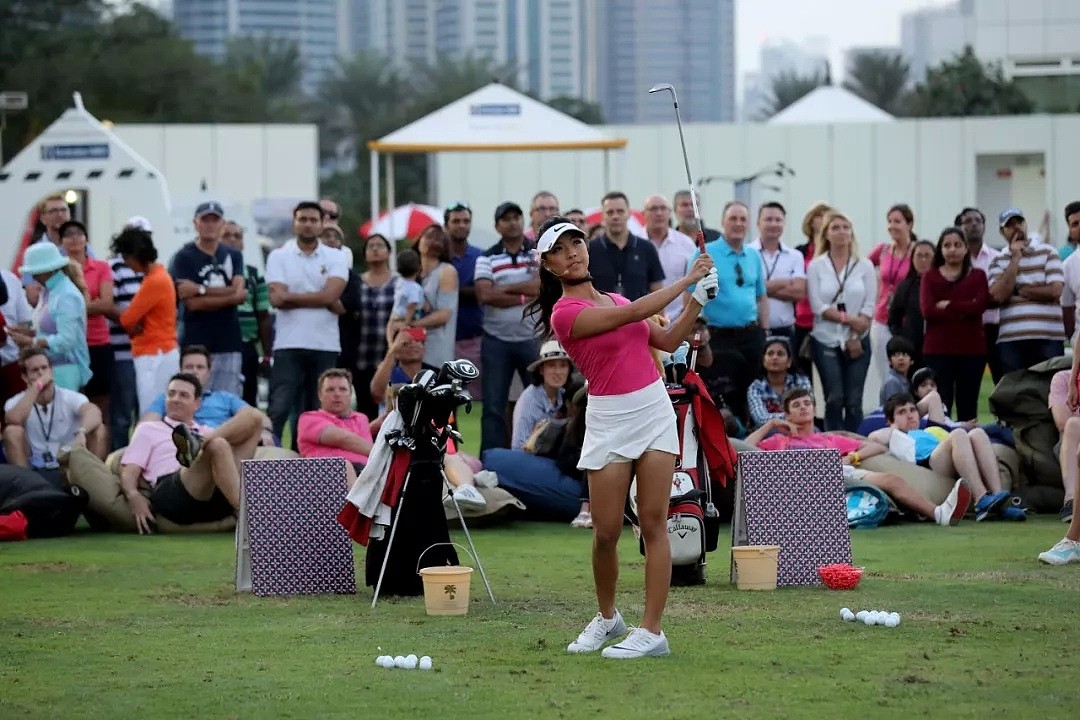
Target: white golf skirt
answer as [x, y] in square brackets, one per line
[621, 428]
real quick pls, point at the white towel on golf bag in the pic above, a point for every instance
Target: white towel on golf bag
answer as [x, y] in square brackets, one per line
[366, 494]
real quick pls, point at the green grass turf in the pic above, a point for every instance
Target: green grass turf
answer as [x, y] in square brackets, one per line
[124, 626]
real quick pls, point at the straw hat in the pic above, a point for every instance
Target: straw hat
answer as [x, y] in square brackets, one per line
[550, 350]
[42, 257]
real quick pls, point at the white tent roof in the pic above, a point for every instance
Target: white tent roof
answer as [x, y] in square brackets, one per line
[830, 104]
[495, 117]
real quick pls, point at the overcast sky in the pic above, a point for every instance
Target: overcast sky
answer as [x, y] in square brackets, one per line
[847, 23]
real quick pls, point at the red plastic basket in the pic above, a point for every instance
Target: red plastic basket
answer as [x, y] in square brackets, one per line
[840, 576]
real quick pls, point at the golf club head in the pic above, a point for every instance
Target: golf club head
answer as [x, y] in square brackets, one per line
[660, 87]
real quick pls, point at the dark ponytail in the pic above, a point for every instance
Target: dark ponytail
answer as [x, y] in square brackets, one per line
[540, 309]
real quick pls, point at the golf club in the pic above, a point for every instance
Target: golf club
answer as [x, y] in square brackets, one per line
[661, 87]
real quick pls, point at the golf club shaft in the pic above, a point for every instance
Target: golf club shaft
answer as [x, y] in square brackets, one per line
[690, 181]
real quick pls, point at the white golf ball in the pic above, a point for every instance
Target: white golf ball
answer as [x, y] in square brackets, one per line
[896, 618]
[411, 658]
[844, 611]
[847, 615]
[410, 662]
[399, 662]
[891, 622]
[861, 615]
[870, 620]
[386, 662]
[425, 663]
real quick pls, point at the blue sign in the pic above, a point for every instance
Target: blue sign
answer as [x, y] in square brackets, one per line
[496, 109]
[95, 151]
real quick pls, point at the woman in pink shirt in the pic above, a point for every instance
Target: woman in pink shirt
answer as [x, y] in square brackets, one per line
[629, 422]
[99, 288]
[893, 260]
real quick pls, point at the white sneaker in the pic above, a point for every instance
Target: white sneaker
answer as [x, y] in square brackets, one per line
[468, 496]
[486, 479]
[597, 632]
[1066, 551]
[955, 505]
[638, 644]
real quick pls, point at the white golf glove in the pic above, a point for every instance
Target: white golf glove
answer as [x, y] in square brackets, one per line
[709, 282]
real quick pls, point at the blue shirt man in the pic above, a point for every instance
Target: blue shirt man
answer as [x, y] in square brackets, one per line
[738, 316]
[742, 285]
[216, 409]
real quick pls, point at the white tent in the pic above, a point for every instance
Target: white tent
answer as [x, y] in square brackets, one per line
[79, 153]
[493, 118]
[830, 104]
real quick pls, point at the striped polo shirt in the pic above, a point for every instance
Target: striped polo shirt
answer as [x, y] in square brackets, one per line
[1023, 319]
[505, 268]
[126, 283]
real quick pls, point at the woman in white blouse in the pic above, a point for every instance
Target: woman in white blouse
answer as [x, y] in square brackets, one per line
[842, 289]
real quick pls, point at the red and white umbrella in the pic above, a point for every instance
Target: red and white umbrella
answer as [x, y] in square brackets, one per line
[406, 221]
[635, 224]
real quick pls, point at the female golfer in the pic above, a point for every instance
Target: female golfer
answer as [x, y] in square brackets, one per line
[629, 421]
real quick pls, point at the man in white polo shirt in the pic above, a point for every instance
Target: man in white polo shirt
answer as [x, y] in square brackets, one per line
[673, 247]
[785, 272]
[42, 419]
[305, 279]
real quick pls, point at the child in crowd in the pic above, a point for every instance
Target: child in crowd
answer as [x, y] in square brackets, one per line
[924, 389]
[961, 454]
[900, 352]
[408, 294]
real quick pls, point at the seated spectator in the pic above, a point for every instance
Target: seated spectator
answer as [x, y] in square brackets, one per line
[193, 471]
[43, 419]
[925, 391]
[962, 454]
[545, 398]
[550, 486]
[335, 429]
[217, 406]
[764, 397]
[900, 352]
[1063, 406]
[403, 360]
[796, 431]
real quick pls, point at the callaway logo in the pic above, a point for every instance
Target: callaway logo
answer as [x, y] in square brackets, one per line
[681, 530]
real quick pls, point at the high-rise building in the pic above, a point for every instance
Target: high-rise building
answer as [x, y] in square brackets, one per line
[320, 28]
[805, 59]
[540, 40]
[1035, 42]
[632, 44]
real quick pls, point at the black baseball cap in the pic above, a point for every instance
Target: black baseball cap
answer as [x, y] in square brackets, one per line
[210, 207]
[506, 208]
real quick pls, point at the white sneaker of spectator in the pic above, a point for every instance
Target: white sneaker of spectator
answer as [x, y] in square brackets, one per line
[467, 496]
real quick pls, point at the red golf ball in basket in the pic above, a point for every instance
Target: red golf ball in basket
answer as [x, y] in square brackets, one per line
[840, 576]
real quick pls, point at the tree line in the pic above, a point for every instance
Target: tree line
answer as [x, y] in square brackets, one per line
[131, 65]
[958, 87]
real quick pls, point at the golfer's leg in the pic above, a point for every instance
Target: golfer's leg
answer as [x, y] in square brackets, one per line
[1070, 456]
[17, 446]
[898, 489]
[654, 471]
[607, 490]
[985, 458]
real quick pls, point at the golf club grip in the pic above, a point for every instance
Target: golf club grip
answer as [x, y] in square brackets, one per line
[711, 292]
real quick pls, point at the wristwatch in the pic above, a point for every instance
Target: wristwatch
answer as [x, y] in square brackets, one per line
[202, 289]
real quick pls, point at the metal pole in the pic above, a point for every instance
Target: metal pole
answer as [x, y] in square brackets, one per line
[468, 536]
[390, 540]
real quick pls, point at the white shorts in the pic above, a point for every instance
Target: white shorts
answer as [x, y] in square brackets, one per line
[622, 428]
[152, 373]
